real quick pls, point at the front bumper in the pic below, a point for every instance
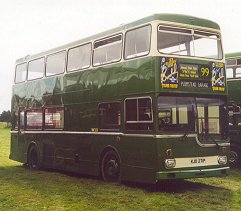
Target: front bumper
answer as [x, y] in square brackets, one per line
[196, 173]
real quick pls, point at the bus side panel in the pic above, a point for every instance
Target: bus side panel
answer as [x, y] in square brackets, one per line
[138, 76]
[139, 158]
[18, 148]
[22, 148]
[66, 152]
[100, 144]
[14, 147]
[234, 89]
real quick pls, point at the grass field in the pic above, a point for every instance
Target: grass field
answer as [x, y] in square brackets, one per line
[23, 189]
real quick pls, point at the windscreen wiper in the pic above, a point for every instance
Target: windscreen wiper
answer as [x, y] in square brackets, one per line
[185, 135]
[213, 139]
[202, 127]
[204, 132]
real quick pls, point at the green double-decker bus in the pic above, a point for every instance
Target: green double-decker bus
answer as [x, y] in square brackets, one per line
[233, 67]
[144, 102]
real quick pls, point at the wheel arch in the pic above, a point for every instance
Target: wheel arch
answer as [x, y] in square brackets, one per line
[235, 144]
[235, 154]
[104, 151]
[109, 148]
[34, 144]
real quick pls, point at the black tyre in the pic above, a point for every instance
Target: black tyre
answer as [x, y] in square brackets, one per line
[110, 167]
[234, 157]
[33, 158]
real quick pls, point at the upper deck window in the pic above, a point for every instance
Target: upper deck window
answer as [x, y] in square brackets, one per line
[55, 64]
[36, 69]
[230, 72]
[238, 61]
[79, 57]
[20, 72]
[189, 42]
[107, 50]
[231, 62]
[137, 42]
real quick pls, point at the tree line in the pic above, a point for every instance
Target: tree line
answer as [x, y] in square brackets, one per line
[5, 116]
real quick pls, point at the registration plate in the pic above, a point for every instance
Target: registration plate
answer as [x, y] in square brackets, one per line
[198, 160]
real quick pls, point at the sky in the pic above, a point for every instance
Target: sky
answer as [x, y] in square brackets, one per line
[32, 26]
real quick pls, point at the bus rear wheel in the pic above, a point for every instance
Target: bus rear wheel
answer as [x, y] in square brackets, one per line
[33, 158]
[110, 167]
[234, 157]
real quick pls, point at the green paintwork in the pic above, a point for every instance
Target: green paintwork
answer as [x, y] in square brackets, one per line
[234, 85]
[216, 172]
[80, 93]
[234, 90]
[142, 155]
[233, 55]
[106, 83]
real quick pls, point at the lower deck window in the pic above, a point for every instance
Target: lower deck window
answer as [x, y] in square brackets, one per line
[34, 119]
[21, 120]
[139, 115]
[16, 120]
[234, 118]
[54, 118]
[109, 114]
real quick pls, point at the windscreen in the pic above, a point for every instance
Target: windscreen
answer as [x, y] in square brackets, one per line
[189, 42]
[176, 114]
[205, 116]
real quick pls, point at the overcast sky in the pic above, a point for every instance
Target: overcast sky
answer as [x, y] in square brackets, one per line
[31, 26]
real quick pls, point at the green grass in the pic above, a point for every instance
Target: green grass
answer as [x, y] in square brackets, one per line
[23, 189]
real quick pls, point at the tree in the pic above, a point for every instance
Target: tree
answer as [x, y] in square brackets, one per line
[5, 116]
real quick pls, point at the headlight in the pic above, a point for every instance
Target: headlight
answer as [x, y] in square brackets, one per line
[170, 163]
[222, 159]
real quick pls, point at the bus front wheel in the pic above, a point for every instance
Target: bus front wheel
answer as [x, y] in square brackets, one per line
[33, 158]
[234, 157]
[110, 167]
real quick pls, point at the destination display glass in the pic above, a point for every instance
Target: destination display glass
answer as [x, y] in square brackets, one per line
[176, 74]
